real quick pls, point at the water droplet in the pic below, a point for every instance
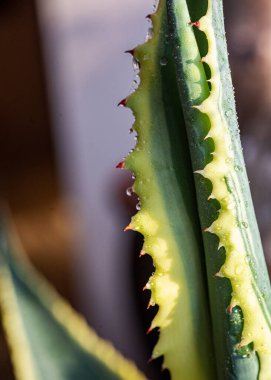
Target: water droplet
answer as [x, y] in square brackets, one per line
[228, 112]
[237, 168]
[135, 65]
[138, 206]
[244, 224]
[134, 85]
[163, 61]
[133, 177]
[154, 7]
[129, 191]
[231, 206]
[149, 34]
[135, 138]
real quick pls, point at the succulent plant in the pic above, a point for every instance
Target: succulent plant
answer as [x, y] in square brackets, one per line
[185, 114]
[196, 216]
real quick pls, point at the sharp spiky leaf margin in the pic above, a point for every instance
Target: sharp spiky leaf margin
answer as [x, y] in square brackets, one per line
[240, 294]
[47, 338]
[168, 217]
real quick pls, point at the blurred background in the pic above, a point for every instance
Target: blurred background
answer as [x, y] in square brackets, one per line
[62, 72]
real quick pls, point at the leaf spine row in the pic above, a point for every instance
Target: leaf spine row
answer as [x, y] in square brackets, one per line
[221, 171]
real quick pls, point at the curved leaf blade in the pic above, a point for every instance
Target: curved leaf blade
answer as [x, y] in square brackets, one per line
[48, 339]
[168, 216]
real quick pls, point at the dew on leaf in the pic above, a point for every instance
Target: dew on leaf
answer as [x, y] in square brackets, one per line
[163, 61]
[129, 191]
[135, 65]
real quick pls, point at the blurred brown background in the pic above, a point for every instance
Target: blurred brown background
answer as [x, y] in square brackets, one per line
[30, 181]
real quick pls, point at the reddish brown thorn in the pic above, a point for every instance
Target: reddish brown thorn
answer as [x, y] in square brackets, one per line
[202, 59]
[127, 228]
[123, 102]
[120, 165]
[132, 52]
[149, 330]
[196, 24]
[149, 16]
[230, 309]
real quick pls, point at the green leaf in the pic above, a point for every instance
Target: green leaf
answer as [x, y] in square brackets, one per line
[48, 339]
[239, 286]
[168, 217]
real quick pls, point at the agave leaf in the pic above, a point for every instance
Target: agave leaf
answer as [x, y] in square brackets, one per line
[168, 216]
[49, 340]
[240, 294]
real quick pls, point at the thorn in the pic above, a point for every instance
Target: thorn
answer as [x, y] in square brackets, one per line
[151, 303]
[120, 165]
[219, 274]
[197, 107]
[203, 59]
[230, 310]
[146, 287]
[195, 23]
[199, 172]
[208, 229]
[220, 245]
[149, 330]
[127, 228]
[242, 344]
[132, 52]
[122, 103]
[211, 196]
[142, 253]
[149, 16]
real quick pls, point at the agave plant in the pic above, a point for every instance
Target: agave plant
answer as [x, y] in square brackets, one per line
[195, 213]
